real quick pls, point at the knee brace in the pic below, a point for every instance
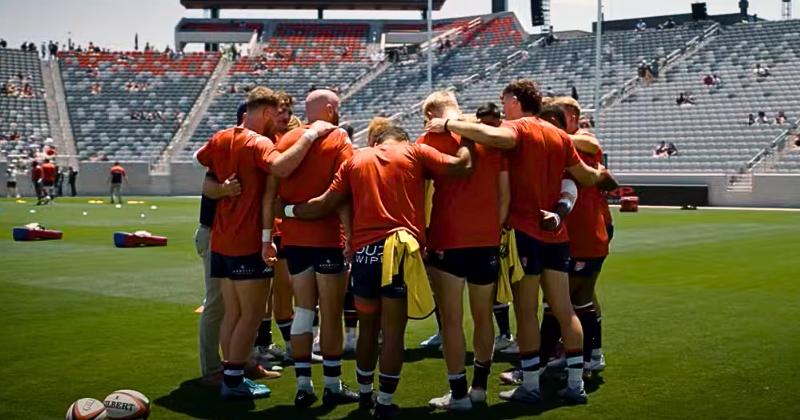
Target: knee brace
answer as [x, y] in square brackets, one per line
[303, 321]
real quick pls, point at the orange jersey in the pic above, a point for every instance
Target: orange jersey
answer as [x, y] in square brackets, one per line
[462, 214]
[237, 222]
[588, 237]
[601, 197]
[536, 167]
[117, 173]
[310, 179]
[48, 173]
[386, 184]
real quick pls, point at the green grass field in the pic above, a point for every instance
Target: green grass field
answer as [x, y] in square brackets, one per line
[701, 320]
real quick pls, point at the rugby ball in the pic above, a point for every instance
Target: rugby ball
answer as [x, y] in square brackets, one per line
[127, 404]
[86, 409]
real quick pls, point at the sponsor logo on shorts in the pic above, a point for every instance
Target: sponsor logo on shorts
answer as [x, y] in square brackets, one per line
[580, 265]
[243, 271]
[329, 265]
[370, 254]
[493, 262]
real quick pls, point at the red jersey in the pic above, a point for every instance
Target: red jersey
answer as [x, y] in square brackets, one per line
[588, 237]
[48, 173]
[603, 202]
[117, 173]
[237, 222]
[387, 186]
[311, 179]
[462, 215]
[536, 166]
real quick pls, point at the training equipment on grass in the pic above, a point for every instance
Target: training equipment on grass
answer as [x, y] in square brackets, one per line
[127, 404]
[629, 204]
[86, 409]
[137, 239]
[35, 232]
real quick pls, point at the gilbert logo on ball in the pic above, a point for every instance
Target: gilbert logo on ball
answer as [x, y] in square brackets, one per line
[127, 404]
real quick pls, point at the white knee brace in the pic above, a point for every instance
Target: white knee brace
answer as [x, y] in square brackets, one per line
[303, 321]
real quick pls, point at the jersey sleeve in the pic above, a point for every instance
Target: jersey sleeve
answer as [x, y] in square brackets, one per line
[345, 149]
[570, 153]
[433, 161]
[341, 181]
[287, 140]
[263, 149]
[205, 154]
[516, 127]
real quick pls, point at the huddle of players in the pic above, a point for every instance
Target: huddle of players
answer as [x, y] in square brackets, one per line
[317, 203]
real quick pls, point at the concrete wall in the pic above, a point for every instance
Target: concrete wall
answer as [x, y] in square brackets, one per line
[769, 190]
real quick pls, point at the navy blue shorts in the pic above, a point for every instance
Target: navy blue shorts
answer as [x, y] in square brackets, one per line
[585, 267]
[479, 265]
[367, 271]
[244, 267]
[537, 256]
[322, 260]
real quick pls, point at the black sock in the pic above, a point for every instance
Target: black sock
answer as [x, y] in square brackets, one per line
[588, 318]
[598, 336]
[551, 332]
[232, 374]
[285, 326]
[438, 318]
[458, 384]
[501, 316]
[302, 367]
[264, 337]
[480, 376]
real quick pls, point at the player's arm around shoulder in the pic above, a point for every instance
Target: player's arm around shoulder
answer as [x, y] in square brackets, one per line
[496, 137]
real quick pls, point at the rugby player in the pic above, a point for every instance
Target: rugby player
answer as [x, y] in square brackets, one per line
[36, 179]
[539, 155]
[385, 184]
[314, 250]
[589, 236]
[242, 152]
[48, 180]
[489, 114]
[116, 175]
[464, 246]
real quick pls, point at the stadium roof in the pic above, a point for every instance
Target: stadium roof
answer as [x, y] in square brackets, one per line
[313, 4]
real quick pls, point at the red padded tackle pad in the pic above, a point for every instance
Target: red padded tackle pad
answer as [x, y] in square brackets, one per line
[28, 234]
[130, 240]
[629, 204]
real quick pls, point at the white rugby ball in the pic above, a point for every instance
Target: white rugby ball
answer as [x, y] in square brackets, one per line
[127, 404]
[87, 409]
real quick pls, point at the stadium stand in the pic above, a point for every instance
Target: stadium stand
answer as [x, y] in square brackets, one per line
[295, 56]
[405, 83]
[23, 116]
[713, 135]
[127, 105]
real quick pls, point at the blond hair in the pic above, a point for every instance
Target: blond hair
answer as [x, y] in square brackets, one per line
[261, 96]
[294, 122]
[439, 101]
[566, 102]
[377, 126]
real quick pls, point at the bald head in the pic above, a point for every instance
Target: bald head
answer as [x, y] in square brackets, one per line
[322, 104]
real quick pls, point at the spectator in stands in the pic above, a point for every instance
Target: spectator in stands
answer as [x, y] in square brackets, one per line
[489, 114]
[669, 24]
[684, 99]
[780, 119]
[708, 80]
[762, 118]
[661, 150]
[551, 36]
[72, 176]
[96, 88]
[3, 43]
[53, 47]
[751, 119]
[671, 149]
[574, 93]
[641, 26]
[645, 71]
[447, 43]
[44, 51]
[761, 72]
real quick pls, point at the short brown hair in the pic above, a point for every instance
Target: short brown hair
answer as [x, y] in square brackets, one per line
[555, 115]
[527, 93]
[567, 102]
[392, 132]
[377, 126]
[261, 96]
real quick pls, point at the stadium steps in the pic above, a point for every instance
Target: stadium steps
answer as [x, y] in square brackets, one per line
[674, 58]
[772, 158]
[740, 182]
[57, 114]
[193, 118]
